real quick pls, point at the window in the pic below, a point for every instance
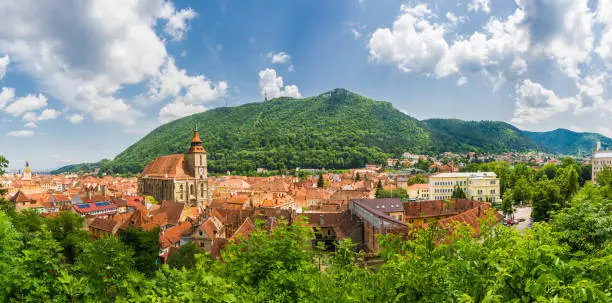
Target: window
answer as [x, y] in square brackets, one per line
[191, 191]
[201, 189]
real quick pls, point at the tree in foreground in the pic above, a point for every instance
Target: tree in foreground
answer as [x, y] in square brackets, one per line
[458, 193]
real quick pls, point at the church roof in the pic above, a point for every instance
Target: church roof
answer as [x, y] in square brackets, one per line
[170, 166]
[20, 197]
[196, 143]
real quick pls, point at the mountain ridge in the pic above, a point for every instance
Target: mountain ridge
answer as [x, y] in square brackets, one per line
[335, 129]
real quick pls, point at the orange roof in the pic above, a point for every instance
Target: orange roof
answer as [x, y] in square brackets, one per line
[170, 166]
[173, 234]
[196, 137]
[20, 197]
[210, 228]
[245, 229]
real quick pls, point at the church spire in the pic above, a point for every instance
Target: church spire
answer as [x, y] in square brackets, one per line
[196, 142]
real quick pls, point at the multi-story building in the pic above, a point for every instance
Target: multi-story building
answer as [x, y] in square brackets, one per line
[481, 186]
[601, 159]
[181, 178]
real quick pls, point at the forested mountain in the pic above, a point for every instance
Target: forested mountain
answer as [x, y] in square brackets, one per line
[563, 141]
[337, 129]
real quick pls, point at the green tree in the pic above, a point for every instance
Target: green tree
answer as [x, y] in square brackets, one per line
[3, 165]
[507, 205]
[145, 245]
[357, 177]
[522, 192]
[458, 193]
[604, 177]
[185, 256]
[417, 179]
[546, 199]
[320, 181]
[67, 230]
[105, 264]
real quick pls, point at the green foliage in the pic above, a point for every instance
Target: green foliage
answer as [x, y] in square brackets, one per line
[604, 177]
[566, 142]
[393, 193]
[417, 179]
[546, 199]
[507, 205]
[352, 131]
[458, 193]
[185, 256]
[145, 246]
[320, 181]
[67, 230]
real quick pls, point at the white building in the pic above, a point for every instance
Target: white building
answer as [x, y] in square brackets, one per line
[481, 186]
[601, 159]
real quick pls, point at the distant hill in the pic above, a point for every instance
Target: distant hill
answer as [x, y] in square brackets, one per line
[337, 129]
[567, 142]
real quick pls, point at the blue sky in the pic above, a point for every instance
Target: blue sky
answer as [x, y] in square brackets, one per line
[82, 80]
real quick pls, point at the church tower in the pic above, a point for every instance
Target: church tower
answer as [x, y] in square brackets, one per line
[27, 173]
[196, 162]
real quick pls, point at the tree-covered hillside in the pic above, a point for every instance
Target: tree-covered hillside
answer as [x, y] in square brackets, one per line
[481, 136]
[337, 129]
[567, 142]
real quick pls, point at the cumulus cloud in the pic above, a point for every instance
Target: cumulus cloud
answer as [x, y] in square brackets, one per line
[534, 103]
[114, 45]
[272, 86]
[480, 5]
[21, 133]
[4, 62]
[604, 16]
[75, 118]
[176, 24]
[6, 96]
[30, 125]
[280, 57]
[25, 104]
[48, 114]
[413, 44]
[175, 110]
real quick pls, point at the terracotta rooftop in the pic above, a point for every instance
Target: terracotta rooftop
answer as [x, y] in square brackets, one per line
[245, 229]
[173, 234]
[170, 166]
[103, 224]
[20, 197]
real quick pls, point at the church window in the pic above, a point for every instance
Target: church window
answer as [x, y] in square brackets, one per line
[191, 189]
[201, 189]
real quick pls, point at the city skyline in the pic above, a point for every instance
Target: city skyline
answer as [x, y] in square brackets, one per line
[84, 82]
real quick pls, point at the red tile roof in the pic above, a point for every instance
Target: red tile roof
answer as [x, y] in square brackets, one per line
[244, 230]
[170, 166]
[173, 235]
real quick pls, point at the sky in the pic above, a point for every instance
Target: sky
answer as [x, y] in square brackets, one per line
[81, 80]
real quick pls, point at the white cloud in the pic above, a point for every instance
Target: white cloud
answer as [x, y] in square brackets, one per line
[4, 62]
[272, 86]
[356, 33]
[21, 133]
[48, 114]
[535, 103]
[606, 131]
[280, 57]
[29, 116]
[25, 104]
[75, 118]
[6, 96]
[604, 16]
[114, 45]
[480, 5]
[461, 81]
[30, 125]
[414, 44]
[175, 83]
[176, 24]
[177, 110]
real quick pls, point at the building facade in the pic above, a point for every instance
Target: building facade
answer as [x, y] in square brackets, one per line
[178, 177]
[479, 186]
[601, 159]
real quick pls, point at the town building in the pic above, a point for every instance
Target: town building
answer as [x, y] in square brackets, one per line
[418, 192]
[601, 158]
[178, 177]
[480, 186]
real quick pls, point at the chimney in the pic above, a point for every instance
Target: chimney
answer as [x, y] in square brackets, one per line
[598, 146]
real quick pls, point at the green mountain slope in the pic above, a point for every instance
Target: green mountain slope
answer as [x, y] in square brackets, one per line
[482, 136]
[337, 129]
[567, 142]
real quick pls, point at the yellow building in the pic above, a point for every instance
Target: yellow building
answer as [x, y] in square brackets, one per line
[601, 159]
[418, 192]
[480, 186]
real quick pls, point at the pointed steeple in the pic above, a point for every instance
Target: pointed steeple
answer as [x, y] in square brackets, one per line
[196, 143]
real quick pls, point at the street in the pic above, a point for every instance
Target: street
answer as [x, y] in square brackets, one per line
[522, 213]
